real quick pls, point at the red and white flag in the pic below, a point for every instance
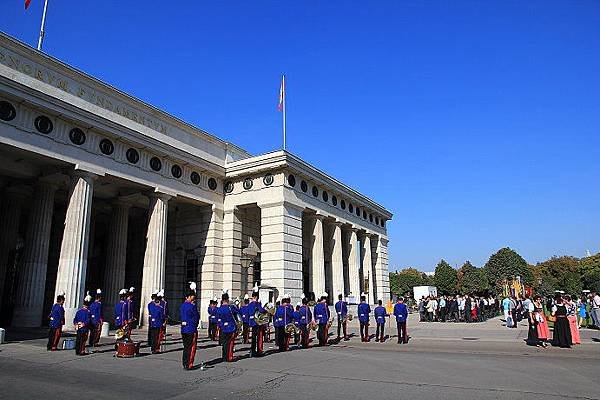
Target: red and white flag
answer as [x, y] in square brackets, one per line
[281, 103]
[27, 3]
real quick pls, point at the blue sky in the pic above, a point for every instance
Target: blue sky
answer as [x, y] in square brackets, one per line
[476, 123]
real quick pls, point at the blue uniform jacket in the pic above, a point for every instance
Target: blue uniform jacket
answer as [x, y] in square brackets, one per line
[321, 313]
[156, 315]
[212, 314]
[341, 308]
[83, 318]
[363, 312]
[96, 310]
[225, 315]
[305, 315]
[401, 312]
[120, 313]
[252, 308]
[244, 313]
[57, 316]
[283, 315]
[190, 317]
[380, 314]
[130, 309]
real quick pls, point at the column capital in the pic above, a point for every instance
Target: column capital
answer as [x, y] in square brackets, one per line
[81, 173]
[349, 228]
[159, 195]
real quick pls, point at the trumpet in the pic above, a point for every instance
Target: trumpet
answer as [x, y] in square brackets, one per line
[239, 323]
[291, 328]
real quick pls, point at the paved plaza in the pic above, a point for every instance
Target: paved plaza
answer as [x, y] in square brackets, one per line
[445, 361]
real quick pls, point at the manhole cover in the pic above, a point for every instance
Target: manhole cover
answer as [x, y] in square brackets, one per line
[470, 338]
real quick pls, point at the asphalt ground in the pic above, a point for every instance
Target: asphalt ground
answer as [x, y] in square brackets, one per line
[443, 361]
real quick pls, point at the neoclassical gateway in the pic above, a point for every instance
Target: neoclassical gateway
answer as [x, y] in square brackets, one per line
[100, 190]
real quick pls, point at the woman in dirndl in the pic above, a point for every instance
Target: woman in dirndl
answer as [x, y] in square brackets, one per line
[538, 328]
[562, 331]
[572, 317]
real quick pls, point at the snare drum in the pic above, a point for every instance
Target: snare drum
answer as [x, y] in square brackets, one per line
[128, 349]
[68, 344]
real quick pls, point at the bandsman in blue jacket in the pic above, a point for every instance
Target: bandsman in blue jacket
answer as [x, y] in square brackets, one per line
[152, 299]
[364, 311]
[156, 316]
[130, 310]
[120, 311]
[163, 303]
[341, 310]
[380, 315]
[305, 318]
[284, 314]
[226, 317]
[297, 323]
[254, 307]
[189, 327]
[322, 318]
[245, 320]
[56, 322]
[401, 314]
[96, 319]
[212, 319]
[82, 322]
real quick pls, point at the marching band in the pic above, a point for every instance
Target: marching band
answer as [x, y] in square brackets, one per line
[248, 319]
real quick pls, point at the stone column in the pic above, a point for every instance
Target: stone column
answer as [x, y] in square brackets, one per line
[367, 262]
[31, 280]
[116, 256]
[153, 274]
[10, 216]
[72, 264]
[317, 257]
[353, 265]
[381, 269]
[281, 248]
[232, 252]
[212, 265]
[337, 262]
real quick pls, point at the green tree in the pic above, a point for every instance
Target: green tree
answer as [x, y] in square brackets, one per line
[558, 273]
[445, 278]
[590, 269]
[401, 283]
[506, 264]
[471, 279]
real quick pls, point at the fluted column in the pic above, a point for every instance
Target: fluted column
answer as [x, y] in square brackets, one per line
[337, 262]
[212, 265]
[116, 255]
[31, 281]
[367, 262]
[317, 259]
[72, 265]
[153, 277]
[353, 265]
[232, 251]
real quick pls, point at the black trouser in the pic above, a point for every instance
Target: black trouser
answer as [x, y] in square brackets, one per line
[227, 340]
[212, 330]
[342, 326]
[297, 335]
[80, 341]
[154, 334]
[402, 336]
[322, 334]
[305, 333]
[364, 331]
[467, 315]
[281, 338]
[53, 338]
[513, 314]
[443, 314]
[256, 346]
[379, 333]
[95, 330]
[246, 333]
[189, 349]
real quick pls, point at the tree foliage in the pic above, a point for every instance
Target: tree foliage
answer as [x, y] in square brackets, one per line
[401, 283]
[506, 264]
[471, 280]
[445, 278]
[558, 273]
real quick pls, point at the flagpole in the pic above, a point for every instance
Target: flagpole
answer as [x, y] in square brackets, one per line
[283, 84]
[41, 39]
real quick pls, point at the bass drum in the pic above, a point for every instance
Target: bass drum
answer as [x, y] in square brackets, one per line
[128, 349]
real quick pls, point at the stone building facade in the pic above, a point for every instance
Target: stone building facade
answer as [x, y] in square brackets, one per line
[100, 190]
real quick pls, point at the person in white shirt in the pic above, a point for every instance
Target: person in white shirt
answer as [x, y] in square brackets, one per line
[595, 309]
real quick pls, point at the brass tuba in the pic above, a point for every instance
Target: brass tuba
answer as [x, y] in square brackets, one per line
[291, 328]
[313, 326]
[261, 318]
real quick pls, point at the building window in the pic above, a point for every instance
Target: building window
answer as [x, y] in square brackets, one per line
[132, 155]
[350, 208]
[304, 186]
[383, 223]
[247, 183]
[334, 200]
[77, 136]
[106, 147]
[376, 220]
[212, 183]
[343, 204]
[315, 191]
[371, 218]
[268, 180]
[7, 111]
[325, 196]
[228, 187]
[195, 178]
[155, 164]
[291, 180]
[357, 211]
[43, 124]
[176, 171]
